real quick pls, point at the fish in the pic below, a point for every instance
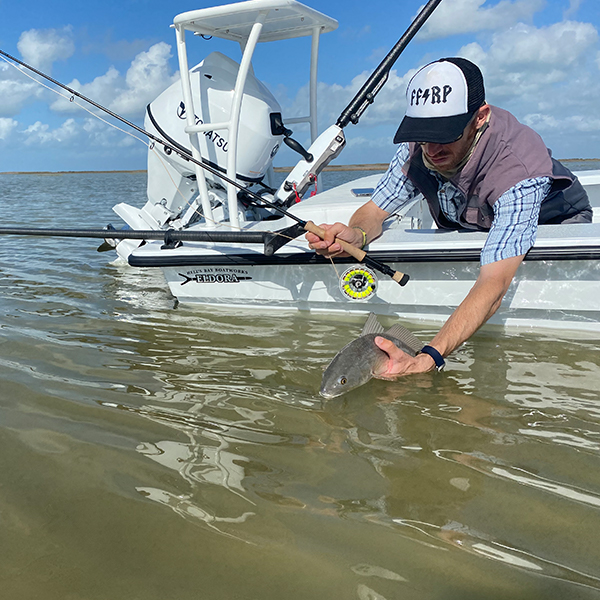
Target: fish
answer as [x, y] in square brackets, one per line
[358, 361]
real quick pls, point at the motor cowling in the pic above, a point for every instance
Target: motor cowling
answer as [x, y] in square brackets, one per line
[212, 83]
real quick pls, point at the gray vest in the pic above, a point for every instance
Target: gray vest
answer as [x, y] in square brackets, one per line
[507, 153]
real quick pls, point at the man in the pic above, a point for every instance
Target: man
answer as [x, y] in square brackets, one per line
[479, 169]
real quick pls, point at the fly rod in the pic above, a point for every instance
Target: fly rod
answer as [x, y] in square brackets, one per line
[169, 236]
[357, 253]
[366, 95]
[352, 113]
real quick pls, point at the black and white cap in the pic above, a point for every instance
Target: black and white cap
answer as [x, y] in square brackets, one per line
[441, 98]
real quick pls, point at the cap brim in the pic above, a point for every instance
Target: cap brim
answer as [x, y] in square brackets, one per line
[436, 130]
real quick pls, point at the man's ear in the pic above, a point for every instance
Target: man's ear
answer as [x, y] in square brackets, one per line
[483, 114]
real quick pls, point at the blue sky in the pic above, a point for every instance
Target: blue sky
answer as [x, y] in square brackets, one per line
[540, 59]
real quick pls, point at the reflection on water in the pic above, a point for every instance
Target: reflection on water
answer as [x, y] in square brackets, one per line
[154, 452]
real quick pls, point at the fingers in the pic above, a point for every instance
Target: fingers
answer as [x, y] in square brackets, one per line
[327, 246]
[387, 346]
[398, 362]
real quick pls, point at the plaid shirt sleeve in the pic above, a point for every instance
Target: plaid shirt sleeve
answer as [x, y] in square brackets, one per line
[395, 190]
[516, 215]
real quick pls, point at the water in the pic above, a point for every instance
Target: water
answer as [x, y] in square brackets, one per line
[148, 452]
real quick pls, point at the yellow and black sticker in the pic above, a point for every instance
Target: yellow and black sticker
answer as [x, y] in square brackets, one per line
[358, 283]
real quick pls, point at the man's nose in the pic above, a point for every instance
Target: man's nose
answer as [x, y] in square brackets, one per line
[432, 148]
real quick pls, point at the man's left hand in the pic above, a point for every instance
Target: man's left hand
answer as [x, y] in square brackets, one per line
[401, 363]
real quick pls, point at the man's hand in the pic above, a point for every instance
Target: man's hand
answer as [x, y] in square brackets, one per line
[328, 247]
[368, 218]
[401, 363]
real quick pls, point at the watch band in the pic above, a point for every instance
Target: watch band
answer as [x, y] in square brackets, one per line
[440, 363]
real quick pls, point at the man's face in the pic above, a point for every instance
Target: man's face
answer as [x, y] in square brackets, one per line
[446, 157]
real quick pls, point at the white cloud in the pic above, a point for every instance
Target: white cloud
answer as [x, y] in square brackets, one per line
[547, 78]
[42, 47]
[15, 92]
[557, 46]
[539, 68]
[40, 133]
[102, 89]
[102, 135]
[549, 124]
[74, 134]
[6, 127]
[573, 8]
[388, 107]
[522, 64]
[453, 17]
[148, 75]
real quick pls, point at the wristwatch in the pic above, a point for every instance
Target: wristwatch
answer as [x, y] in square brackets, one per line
[440, 363]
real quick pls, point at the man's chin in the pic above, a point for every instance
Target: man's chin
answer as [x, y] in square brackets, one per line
[440, 163]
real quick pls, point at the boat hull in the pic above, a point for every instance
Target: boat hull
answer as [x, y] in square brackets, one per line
[560, 294]
[556, 287]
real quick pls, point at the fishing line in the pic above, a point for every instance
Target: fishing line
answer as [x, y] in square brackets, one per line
[151, 146]
[71, 99]
[358, 254]
[351, 114]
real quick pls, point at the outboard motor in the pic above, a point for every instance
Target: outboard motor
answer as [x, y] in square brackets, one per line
[171, 178]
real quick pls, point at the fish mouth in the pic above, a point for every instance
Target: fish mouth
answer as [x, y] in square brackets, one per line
[327, 394]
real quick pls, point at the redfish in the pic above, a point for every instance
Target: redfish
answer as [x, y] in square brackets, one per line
[358, 361]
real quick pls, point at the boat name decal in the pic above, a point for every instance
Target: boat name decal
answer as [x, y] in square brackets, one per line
[358, 283]
[215, 276]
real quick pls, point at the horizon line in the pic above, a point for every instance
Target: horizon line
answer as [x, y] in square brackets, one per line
[353, 167]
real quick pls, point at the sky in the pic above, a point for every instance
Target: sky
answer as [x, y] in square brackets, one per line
[540, 60]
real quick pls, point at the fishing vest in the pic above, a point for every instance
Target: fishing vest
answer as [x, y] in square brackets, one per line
[507, 153]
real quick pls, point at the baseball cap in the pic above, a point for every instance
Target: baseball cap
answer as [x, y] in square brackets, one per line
[441, 98]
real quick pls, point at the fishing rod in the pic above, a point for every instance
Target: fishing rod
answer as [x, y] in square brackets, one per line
[331, 142]
[168, 235]
[366, 95]
[357, 253]
[171, 237]
[352, 113]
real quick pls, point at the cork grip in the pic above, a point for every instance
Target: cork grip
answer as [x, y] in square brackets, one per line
[357, 253]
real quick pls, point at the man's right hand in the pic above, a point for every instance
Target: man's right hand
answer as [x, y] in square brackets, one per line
[369, 218]
[328, 247]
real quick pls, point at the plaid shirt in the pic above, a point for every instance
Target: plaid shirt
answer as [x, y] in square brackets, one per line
[516, 212]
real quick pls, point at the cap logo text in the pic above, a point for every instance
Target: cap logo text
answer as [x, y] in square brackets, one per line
[435, 95]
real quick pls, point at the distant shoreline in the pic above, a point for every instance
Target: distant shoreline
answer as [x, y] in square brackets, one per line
[65, 172]
[357, 167]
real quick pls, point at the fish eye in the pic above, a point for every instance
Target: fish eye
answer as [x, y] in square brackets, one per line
[343, 381]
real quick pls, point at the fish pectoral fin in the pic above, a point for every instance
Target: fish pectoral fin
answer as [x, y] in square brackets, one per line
[407, 337]
[372, 325]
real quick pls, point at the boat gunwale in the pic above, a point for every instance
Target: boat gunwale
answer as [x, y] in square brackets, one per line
[256, 258]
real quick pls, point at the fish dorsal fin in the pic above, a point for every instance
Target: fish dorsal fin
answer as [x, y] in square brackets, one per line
[372, 325]
[405, 336]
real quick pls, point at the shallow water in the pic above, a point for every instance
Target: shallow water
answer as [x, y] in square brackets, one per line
[148, 452]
